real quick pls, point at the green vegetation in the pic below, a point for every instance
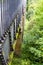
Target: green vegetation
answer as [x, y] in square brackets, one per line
[33, 36]
[32, 47]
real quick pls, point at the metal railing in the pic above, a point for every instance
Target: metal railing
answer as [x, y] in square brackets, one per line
[8, 10]
[7, 41]
[10, 17]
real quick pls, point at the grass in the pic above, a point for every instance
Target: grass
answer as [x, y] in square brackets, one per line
[20, 60]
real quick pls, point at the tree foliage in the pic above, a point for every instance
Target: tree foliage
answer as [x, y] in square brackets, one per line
[33, 36]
